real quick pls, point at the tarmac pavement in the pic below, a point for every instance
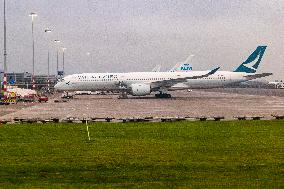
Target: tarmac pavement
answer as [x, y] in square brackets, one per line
[183, 104]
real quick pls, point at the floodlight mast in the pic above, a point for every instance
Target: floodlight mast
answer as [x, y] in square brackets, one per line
[48, 64]
[57, 54]
[63, 66]
[33, 15]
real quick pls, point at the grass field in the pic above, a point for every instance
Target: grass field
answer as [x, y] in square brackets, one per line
[234, 154]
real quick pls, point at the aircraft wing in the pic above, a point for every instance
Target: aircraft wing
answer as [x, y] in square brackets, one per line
[255, 76]
[171, 82]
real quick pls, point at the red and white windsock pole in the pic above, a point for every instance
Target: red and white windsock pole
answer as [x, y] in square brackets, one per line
[5, 55]
[33, 81]
[5, 86]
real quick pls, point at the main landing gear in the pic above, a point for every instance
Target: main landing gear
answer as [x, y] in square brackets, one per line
[163, 95]
[123, 95]
[123, 90]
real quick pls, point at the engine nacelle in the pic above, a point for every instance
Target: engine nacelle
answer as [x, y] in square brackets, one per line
[140, 89]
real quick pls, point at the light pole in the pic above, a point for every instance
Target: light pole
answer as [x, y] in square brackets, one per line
[33, 15]
[5, 54]
[63, 68]
[48, 75]
[57, 41]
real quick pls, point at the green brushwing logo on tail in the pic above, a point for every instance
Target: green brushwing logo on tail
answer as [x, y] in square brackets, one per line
[253, 61]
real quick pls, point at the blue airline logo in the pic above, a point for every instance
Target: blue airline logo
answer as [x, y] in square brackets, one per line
[186, 67]
[253, 61]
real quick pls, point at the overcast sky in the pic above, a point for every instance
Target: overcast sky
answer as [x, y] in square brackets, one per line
[136, 35]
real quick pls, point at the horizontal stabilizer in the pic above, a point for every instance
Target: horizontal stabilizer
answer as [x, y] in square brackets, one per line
[255, 76]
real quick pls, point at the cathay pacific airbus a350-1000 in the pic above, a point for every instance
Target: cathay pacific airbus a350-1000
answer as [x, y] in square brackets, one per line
[144, 83]
[134, 83]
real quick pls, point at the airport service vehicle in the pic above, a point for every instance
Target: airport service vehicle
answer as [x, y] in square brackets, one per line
[42, 99]
[277, 84]
[83, 92]
[89, 93]
[134, 83]
[143, 83]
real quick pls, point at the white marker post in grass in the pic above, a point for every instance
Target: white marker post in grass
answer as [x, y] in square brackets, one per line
[88, 130]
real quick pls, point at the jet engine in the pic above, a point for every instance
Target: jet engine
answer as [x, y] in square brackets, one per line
[140, 89]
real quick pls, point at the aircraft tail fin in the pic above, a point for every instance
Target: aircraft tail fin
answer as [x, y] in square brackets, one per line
[253, 61]
[157, 68]
[183, 66]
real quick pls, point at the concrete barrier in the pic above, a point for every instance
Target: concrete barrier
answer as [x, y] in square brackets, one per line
[134, 119]
[71, 120]
[278, 117]
[102, 119]
[55, 120]
[85, 120]
[3, 122]
[18, 120]
[45, 121]
[203, 118]
[166, 119]
[188, 118]
[218, 118]
[124, 120]
[257, 117]
[149, 117]
[31, 120]
[240, 117]
[180, 119]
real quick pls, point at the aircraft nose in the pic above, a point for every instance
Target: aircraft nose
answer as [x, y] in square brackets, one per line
[57, 87]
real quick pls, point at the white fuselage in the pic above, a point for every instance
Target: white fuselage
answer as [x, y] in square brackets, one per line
[115, 81]
[219, 79]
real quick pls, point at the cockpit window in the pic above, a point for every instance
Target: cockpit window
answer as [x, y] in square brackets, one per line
[60, 80]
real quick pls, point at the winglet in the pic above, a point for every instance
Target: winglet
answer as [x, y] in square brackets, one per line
[213, 71]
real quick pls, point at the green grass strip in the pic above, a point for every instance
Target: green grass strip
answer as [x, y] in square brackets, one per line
[227, 154]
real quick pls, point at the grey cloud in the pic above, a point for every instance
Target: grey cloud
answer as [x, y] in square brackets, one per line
[124, 35]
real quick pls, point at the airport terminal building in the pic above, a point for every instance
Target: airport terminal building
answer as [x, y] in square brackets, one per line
[24, 80]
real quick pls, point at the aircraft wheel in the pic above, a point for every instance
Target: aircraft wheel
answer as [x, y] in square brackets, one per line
[168, 96]
[163, 95]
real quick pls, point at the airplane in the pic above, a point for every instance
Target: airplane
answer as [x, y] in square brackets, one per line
[183, 66]
[157, 68]
[143, 83]
[277, 84]
[134, 83]
[245, 72]
[179, 67]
